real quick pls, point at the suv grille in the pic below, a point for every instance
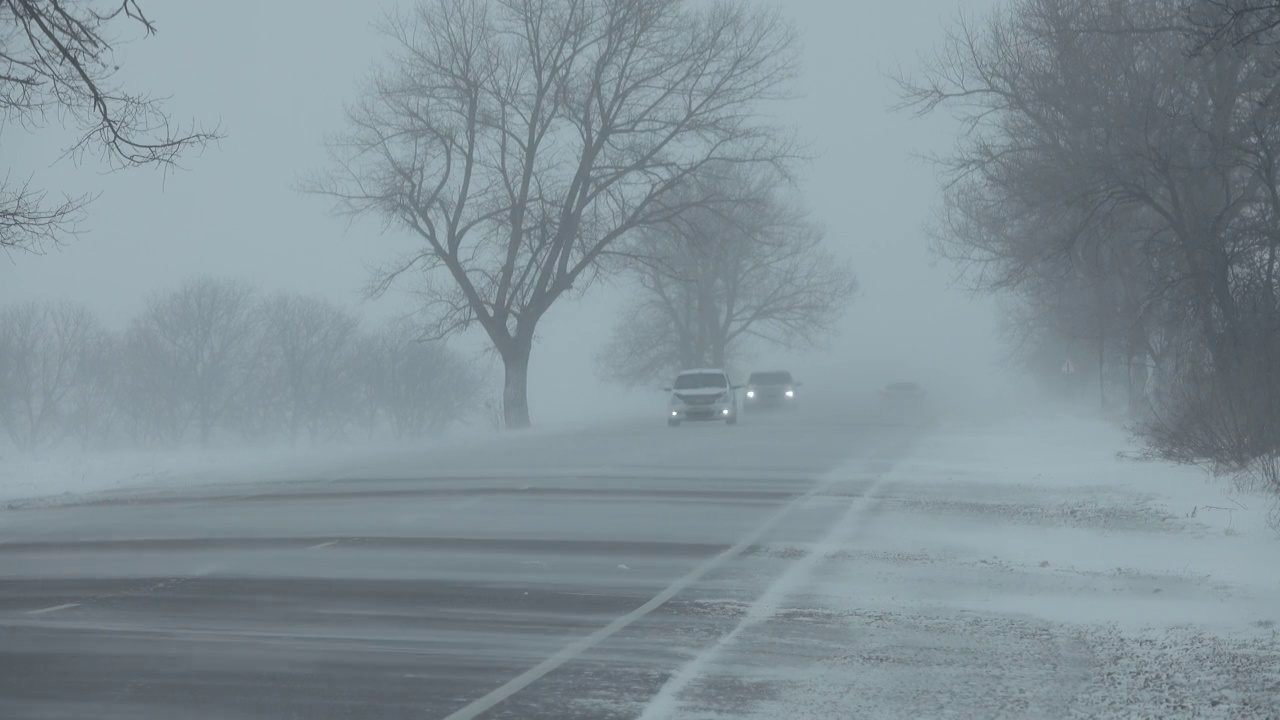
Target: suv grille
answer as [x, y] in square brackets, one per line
[699, 399]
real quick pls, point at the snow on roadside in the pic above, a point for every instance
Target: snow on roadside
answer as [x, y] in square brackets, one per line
[1023, 570]
[1163, 577]
[26, 480]
[56, 476]
[1180, 672]
[1073, 452]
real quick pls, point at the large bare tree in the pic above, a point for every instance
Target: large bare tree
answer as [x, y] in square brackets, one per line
[1216, 23]
[749, 267]
[520, 140]
[57, 63]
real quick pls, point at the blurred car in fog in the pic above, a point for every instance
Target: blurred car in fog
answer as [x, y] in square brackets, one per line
[704, 394]
[774, 389]
[903, 402]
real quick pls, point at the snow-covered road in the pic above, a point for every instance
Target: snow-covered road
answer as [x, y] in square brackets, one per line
[820, 565]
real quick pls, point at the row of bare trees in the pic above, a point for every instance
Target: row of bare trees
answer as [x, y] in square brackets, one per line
[1118, 182]
[212, 361]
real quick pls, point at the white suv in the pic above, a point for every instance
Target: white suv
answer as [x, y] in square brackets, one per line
[703, 394]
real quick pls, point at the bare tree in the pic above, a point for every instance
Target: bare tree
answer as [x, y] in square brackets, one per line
[45, 348]
[750, 267]
[91, 405]
[306, 344]
[151, 391]
[368, 369]
[423, 386]
[520, 140]
[197, 344]
[56, 62]
[1105, 139]
[1218, 23]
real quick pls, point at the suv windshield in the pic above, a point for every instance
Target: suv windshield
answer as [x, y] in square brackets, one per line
[770, 378]
[693, 381]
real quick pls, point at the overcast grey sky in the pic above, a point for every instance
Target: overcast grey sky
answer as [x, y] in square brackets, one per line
[276, 74]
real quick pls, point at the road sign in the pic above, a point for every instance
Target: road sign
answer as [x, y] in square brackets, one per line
[1068, 368]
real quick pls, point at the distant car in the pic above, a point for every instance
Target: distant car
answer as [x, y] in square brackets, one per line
[902, 392]
[903, 402]
[771, 389]
[702, 394]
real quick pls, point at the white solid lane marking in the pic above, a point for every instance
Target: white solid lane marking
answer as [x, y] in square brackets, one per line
[581, 645]
[324, 545]
[55, 608]
[666, 702]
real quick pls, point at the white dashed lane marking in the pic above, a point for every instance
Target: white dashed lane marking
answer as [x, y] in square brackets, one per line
[55, 608]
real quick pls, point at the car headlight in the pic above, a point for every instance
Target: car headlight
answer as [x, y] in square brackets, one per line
[791, 393]
[751, 393]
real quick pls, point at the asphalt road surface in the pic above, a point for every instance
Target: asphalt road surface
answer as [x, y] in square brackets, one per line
[826, 564]
[550, 576]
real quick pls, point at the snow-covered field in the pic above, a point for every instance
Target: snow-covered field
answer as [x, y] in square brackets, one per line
[25, 480]
[61, 474]
[1011, 570]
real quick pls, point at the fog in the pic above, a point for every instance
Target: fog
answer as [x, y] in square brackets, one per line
[263, 488]
[277, 84]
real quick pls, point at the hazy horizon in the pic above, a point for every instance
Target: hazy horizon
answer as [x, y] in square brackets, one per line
[234, 211]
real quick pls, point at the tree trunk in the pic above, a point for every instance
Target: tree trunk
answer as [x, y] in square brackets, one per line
[718, 346]
[1102, 381]
[515, 389]
[1128, 385]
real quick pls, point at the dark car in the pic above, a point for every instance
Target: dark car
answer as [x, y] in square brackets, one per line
[774, 389]
[903, 402]
[902, 392]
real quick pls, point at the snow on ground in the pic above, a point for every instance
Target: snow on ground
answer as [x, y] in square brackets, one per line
[55, 475]
[1013, 570]
[1003, 569]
